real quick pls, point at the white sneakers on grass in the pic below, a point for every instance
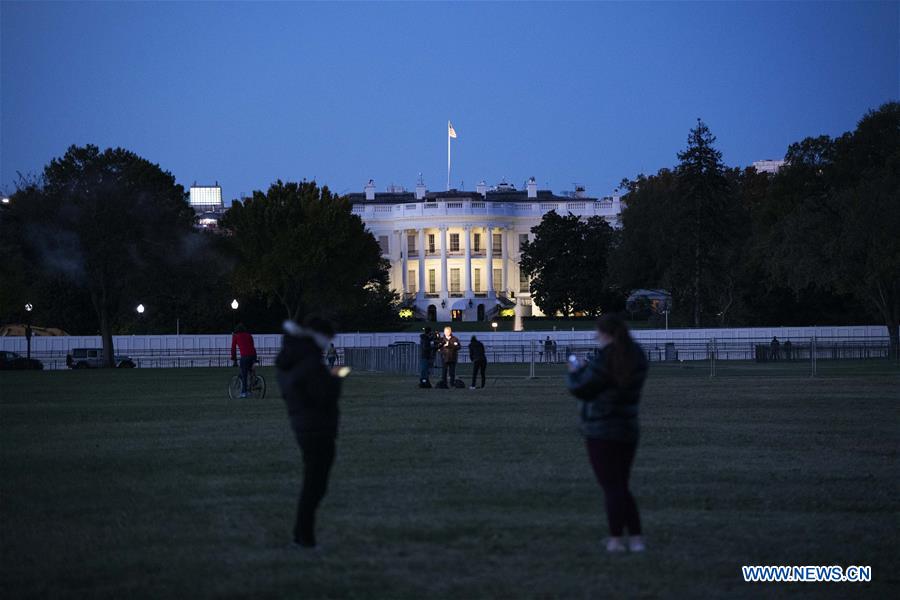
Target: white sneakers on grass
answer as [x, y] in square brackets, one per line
[617, 544]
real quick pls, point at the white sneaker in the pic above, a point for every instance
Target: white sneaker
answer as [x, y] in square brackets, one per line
[614, 544]
[471, 387]
[636, 544]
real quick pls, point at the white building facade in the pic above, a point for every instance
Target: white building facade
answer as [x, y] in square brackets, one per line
[455, 255]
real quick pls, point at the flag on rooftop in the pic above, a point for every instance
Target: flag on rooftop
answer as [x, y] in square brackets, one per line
[450, 131]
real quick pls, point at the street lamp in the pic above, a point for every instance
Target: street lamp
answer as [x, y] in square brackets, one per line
[28, 309]
[140, 309]
[234, 307]
[494, 325]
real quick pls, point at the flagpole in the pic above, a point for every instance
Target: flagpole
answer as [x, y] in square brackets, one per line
[448, 156]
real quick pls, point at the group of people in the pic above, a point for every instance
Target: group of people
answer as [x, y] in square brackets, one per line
[447, 347]
[607, 385]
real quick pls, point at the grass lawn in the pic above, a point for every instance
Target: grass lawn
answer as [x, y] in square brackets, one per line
[151, 483]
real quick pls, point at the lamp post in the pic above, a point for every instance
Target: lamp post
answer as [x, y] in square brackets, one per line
[28, 309]
[234, 306]
[140, 311]
[494, 326]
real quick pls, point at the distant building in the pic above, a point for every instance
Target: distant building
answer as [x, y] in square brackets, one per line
[455, 255]
[206, 200]
[768, 165]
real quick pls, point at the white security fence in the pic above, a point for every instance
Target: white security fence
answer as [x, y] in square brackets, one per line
[398, 352]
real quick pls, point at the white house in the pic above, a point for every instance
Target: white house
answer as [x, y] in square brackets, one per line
[455, 255]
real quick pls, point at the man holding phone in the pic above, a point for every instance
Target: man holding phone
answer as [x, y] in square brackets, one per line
[311, 391]
[450, 354]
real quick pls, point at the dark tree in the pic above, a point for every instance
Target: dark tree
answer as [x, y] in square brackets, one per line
[568, 263]
[704, 224]
[108, 223]
[836, 215]
[301, 247]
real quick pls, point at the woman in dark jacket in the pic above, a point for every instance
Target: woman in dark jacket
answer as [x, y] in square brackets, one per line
[311, 393]
[608, 387]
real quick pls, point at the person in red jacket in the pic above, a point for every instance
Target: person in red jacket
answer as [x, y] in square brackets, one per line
[243, 341]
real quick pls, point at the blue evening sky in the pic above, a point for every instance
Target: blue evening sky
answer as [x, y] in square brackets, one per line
[244, 94]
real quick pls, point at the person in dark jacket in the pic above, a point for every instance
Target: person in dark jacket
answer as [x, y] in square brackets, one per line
[311, 392]
[449, 356]
[426, 355]
[479, 360]
[608, 387]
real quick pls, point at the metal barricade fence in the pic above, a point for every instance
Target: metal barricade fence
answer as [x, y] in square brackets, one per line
[530, 358]
[401, 359]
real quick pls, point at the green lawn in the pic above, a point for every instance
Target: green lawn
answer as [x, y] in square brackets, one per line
[150, 483]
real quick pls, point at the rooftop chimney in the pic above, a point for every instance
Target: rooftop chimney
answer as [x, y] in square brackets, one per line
[532, 188]
[481, 188]
[420, 188]
[370, 190]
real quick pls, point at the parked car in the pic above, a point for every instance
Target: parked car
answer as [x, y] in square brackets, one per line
[10, 361]
[92, 358]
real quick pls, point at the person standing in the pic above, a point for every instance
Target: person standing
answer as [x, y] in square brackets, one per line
[775, 349]
[479, 360]
[449, 356]
[426, 356]
[243, 341]
[608, 387]
[310, 391]
[548, 347]
[331, 356]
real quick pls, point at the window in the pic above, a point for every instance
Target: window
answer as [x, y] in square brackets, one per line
[498, 242]
[498, 279]
[454, 281]
[476, 279]
[476, 242]
[523, 238]
[430, 243]
[454, 242]
[411, 281]
[410, 244]
[524, 283]
[383, 242]
[432, 281]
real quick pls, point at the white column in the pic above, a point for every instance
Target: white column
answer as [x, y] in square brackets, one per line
[467, 276]
[445, 291]
[421, 290]
[490, 259]
[504, 283]
[404, 250]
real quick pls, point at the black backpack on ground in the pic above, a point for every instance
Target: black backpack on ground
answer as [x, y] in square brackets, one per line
[424, 384]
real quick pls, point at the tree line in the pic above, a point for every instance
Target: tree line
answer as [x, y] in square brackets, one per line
[816, 243]
[101, 232]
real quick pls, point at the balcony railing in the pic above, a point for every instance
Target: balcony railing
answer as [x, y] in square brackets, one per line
[606, 207]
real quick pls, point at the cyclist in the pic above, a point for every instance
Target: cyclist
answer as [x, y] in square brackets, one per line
[243, 341]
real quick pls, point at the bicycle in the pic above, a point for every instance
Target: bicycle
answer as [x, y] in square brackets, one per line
[256, 385]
